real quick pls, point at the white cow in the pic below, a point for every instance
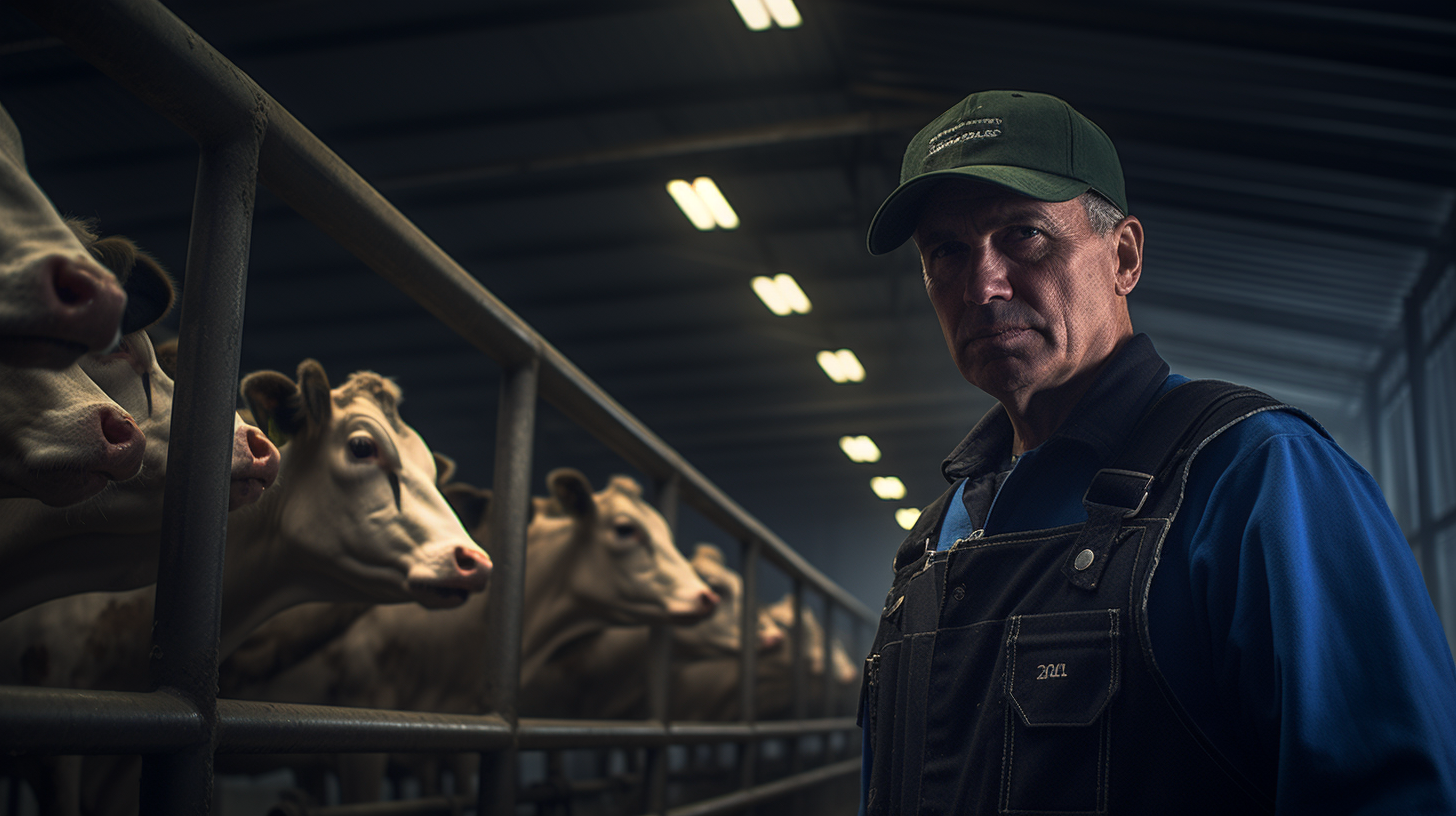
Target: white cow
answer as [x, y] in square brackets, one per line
[62, 436]
[109, 541]
[56, 302]
[62, 439]
[606, 676]
[592, 560]
[355, 516]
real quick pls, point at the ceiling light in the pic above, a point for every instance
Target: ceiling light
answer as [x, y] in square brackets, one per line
[717, 204]
[754, 15]
[859, 448]
[781, 294]
[784, 12]
[841, 366]
[692, 206]
[888, 487]
[907, 516]
[758, 15]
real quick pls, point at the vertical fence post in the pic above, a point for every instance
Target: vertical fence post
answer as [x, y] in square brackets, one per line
[748, 658]
[510, 512]
[195, 502]
[830, 681]
[659, 662]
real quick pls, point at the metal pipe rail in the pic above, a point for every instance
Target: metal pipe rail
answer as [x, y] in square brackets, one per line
[729, 803]
[244, 137]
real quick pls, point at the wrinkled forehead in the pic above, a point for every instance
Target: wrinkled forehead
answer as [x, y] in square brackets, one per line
[614, 502]
[361, 408]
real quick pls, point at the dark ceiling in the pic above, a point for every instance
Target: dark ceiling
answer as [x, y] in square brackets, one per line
[1294, 165]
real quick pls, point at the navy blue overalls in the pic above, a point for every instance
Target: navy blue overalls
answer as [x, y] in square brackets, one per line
[1014, 673]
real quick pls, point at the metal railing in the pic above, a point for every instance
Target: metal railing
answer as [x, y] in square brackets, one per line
[246, 137]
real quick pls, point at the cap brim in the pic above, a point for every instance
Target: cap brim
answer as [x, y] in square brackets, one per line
[897, 218]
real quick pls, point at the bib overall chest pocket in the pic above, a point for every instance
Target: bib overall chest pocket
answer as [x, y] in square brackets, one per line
[1061, 676]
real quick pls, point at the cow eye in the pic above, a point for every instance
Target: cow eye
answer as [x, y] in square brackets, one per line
[363, 447]
[625, 530]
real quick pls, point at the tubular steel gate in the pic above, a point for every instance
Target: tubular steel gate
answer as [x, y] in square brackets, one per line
[245, 136]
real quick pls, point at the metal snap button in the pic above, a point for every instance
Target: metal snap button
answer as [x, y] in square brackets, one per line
[1084, 559]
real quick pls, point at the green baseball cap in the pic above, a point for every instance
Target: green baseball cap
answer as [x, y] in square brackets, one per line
[1032, 143]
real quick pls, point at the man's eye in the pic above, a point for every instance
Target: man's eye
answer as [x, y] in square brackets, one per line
[1027, 232]
[947, 249]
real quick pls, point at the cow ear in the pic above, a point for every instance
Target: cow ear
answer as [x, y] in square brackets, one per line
[149, 292]
[313, 390]
[273, 401]
[149, 289]
[471, 504]
[167, 357]
[572, 493]
[444, 469]
[709, 552]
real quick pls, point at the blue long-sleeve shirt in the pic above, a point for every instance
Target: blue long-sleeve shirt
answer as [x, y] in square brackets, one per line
[1287, 613]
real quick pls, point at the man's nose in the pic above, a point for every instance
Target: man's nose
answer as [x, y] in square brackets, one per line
[987, 278]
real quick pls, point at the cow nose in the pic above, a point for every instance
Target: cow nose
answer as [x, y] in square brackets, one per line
[770, 640]
[262, 453]
[88, 302]
[708, 600]
[124, 444]
[471, 560]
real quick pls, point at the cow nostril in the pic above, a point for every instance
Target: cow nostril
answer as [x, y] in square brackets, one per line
[117, 427]
[468, 561]
[72, 284]
[259, 445]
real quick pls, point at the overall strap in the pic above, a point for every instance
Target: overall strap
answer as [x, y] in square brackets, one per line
[1176, 424]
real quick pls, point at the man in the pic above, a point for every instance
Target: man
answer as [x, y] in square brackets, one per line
[1140, 594]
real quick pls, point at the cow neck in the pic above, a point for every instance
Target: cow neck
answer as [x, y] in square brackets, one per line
[263, 564]
[553, 617]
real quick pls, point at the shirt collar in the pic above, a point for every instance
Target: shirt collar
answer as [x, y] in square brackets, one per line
[1102, 419]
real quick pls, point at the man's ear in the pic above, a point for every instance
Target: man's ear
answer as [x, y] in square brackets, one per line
[1129, 237]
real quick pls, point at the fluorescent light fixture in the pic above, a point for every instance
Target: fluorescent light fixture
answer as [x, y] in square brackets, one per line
[703, 203]
[859, 448]
[841, 366]
[798, 301]
[907, 516]
[717, 204]
[781, 294]
[692, 206]
[888, 487]
[784, 12]
[758, 15]
[754, 15]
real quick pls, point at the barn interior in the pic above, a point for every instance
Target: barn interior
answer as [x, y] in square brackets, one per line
[1294, 165]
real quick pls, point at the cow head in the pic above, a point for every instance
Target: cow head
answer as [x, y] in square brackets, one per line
[360, 497]
[62, 439]
[135, 374]
[65, 434]
[255, 459]
[626, 566]
[56, 302]
[720, 634]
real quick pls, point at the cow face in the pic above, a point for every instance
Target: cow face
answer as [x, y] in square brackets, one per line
[62, 439]
[255, 459]
[626, 566]
[361, 502]
[56, 302]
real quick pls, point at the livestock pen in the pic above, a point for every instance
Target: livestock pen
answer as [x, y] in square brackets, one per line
[244, 137]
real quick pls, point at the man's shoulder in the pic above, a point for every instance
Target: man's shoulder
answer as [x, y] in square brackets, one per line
[1282, 451]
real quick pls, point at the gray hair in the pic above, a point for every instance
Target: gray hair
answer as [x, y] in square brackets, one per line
[1102, 214]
